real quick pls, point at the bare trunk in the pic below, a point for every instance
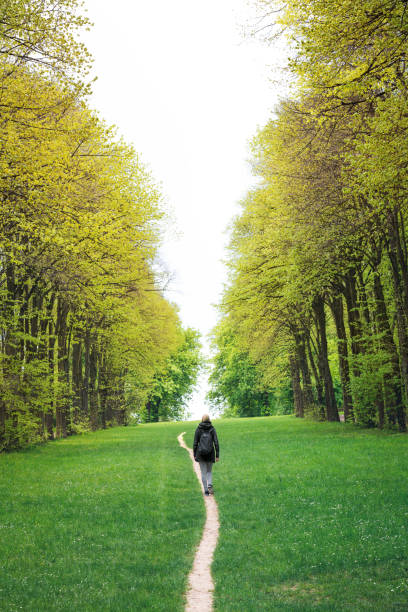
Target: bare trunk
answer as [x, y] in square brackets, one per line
[397, 244]
[62, 406]
[319, 385]
[400, 315]
[392, 382]
[85, 385]
[336, 306]
[353, 315]
[304, 368]
[76, 378]
[3, 415]
[49, 419]
[47, 345]
[297, 389]
[93, 394]
[330, 401]
[103, 389]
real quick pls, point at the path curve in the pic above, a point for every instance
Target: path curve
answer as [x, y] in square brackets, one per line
[200, 582]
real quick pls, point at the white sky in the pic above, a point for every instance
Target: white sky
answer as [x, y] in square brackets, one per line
[188, 91]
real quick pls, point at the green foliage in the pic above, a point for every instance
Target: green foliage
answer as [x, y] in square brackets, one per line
[84, 323]
[173, 385]
[367, 386]
[26, 392]
[282, 399]
[318, 256]
[237, 384]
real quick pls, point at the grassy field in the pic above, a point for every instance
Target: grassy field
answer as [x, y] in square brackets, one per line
[313, 517]
[106, 521]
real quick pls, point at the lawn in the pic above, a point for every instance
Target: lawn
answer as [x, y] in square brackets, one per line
[104, 521]
[313, 517]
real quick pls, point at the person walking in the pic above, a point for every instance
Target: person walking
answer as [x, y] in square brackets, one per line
[206, 451]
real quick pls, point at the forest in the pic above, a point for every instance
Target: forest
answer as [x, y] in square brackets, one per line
[88, 338]
[314, 316]
[316, 305]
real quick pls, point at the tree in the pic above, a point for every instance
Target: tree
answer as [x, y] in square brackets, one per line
[172, 386]
[236, 383]
[80, 226]
[319, 252]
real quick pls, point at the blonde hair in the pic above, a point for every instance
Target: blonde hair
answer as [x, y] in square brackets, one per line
[206, 417]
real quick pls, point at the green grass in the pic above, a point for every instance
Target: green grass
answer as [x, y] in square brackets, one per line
[313, 517]
[104, 521]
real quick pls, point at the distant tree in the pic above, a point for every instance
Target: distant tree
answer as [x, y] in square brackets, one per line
[237, 385]
[173, 385]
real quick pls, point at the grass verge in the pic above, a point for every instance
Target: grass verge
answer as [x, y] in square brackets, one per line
[313, 517]
[104, 521]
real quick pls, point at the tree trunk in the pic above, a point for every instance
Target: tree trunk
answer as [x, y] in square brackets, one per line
[149, 412]
[34, 327]
[336, 306]
[62, 406]
[3, 415]
[363, 298]
[353, 315]
[103, 389]
[85, 383]
[49, 419]
[297, 389]
[46, 351]
[35, 348]
[23, 326]
[93, 393]
[394, 237]
[304, 368]
[155, 411]
[319, 384]
[120, 400]
[330, 401]
[76, 378]
[392, 382]
[400, 315]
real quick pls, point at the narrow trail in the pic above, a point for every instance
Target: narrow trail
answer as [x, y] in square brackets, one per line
[200, 582]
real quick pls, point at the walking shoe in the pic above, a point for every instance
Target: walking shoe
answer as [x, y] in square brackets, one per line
[206, 493]
[210, 490]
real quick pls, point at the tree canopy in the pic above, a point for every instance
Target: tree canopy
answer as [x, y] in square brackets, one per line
[318, 257]
[85, 323]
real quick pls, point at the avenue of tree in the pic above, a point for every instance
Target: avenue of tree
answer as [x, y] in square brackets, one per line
[318, 259]
[87, 337]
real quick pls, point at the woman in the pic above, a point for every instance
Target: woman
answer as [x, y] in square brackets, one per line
[205, 440]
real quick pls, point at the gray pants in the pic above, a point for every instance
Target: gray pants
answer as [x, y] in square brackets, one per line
[206, 473]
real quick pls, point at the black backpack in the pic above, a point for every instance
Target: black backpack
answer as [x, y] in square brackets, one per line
[205, 445]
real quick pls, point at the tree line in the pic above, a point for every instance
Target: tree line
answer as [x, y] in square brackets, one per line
[85, 328]
[318, 258]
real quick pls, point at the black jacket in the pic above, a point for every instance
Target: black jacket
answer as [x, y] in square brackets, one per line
[206, 426]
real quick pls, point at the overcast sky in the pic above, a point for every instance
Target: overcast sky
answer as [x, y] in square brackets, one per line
[182, 84]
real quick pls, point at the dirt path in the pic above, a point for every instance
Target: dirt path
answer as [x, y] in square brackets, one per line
[200, 582]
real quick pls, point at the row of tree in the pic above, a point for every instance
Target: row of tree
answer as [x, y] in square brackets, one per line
[237, 387]
[318, 262]
[85, 328]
